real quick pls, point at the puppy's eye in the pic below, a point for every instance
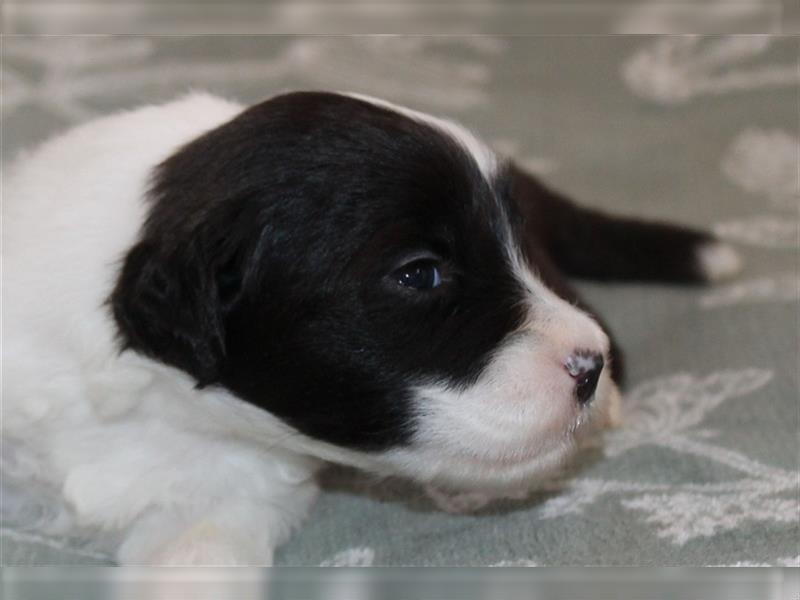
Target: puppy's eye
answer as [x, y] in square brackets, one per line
[419, 275]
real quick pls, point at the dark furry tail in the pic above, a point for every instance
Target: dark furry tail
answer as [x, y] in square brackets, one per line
[591, 244]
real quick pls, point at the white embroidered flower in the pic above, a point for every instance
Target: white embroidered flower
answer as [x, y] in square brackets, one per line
[778, 288]
[674, 404]
[787, 561]
[75, 70]
[685, 516]
[764, 161]
[352, 557]
[517, 562]
[667, 412]
[771, 231]
[657, 16]
[676, 69]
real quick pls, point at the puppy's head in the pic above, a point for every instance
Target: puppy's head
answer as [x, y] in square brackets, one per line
[357, 270]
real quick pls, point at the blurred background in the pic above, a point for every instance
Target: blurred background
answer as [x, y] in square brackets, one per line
[698, 129]
[407, 16]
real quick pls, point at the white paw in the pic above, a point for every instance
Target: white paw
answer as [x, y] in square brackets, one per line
[718, 261]
[204, 544]
[612, 416]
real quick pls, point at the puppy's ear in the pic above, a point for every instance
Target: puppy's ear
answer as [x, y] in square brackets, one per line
[171, 300]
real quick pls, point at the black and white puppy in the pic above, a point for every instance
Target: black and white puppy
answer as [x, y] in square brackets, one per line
[203, 303]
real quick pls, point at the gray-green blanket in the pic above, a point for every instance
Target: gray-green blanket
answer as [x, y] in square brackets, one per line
[702, 131]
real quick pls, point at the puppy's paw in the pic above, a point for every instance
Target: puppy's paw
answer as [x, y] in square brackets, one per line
[612, 411]
[203, 545]
[607, 408]
[717, 261]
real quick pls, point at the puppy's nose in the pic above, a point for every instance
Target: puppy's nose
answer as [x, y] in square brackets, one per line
[585, 368]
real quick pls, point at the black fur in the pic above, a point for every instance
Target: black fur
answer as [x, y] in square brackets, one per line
[265, 265]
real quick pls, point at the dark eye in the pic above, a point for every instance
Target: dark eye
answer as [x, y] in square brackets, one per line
[419, 275]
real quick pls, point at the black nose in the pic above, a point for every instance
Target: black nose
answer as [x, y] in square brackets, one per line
[585, 368]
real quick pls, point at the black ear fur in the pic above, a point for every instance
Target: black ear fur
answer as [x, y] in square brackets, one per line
[167, 306]
[176, 288]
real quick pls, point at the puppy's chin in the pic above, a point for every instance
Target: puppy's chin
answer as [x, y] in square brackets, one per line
[494, 449]
[468, 472]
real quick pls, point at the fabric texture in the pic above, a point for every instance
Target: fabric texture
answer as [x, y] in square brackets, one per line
[701, 131]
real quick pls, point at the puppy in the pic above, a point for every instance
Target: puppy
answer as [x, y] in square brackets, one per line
[203, 303]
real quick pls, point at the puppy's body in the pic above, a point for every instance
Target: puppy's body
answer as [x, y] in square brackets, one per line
[126, 440]
[185, 343]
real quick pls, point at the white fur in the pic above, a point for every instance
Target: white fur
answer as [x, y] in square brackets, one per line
[196, 476]
[718, 261]
[123, 437]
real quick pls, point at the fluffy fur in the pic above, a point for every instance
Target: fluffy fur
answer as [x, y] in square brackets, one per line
[203, 303]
